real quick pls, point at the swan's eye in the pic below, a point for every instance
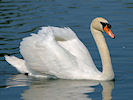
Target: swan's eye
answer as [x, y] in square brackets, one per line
[104, 24]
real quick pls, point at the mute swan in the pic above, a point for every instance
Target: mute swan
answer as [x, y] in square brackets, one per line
[58, 52]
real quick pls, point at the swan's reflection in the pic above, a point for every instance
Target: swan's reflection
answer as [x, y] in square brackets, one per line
[42, 89]
[17, 80]
[107, 89]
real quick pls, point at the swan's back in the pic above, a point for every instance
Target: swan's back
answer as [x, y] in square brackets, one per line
[57, 51]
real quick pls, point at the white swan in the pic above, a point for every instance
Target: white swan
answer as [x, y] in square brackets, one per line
[58, 52]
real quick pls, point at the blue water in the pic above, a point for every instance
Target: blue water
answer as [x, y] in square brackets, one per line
[20, 18]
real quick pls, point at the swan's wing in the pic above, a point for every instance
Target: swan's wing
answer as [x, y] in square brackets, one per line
[77, 48]
[57, 51]
[43, 54]
[67, 39]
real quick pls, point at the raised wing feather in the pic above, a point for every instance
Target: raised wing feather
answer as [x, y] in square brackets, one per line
[56, 51]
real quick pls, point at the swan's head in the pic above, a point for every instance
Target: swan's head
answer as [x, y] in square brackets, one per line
[102, 24]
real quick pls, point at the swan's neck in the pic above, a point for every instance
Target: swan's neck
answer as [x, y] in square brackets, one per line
[107, 73]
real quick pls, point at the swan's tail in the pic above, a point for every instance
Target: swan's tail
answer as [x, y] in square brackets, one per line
[19, 64]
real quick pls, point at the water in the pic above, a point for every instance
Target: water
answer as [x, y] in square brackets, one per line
[19, 18]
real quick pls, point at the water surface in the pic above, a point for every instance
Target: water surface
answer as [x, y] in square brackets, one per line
[20, 18]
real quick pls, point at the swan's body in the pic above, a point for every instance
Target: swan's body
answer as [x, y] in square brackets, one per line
[58, 52]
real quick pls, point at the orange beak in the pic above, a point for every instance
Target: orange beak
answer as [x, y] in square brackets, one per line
[109, 32]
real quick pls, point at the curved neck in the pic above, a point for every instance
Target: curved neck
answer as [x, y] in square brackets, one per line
[107, 72]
